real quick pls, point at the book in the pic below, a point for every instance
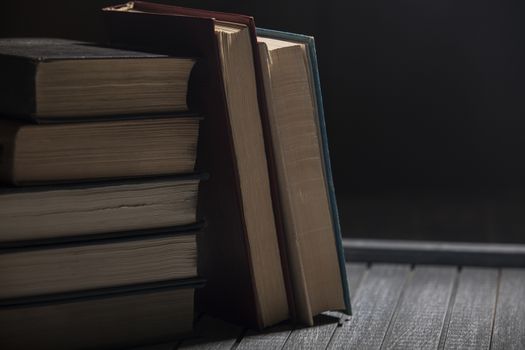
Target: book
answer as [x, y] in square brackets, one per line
[239, 250]
[298, 133]
[50, 267]
[69, 210]
[33, 153]
[58, 79]
[100, 319]
[294, 100]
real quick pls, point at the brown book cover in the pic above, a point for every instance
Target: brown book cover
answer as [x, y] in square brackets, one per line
[223, 248]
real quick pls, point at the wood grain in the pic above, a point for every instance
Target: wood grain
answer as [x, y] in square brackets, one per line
[316, 337]
[429, 307]
[509, 325]
[374, 305]
[354, 274]
[421, 313]
[470, 325]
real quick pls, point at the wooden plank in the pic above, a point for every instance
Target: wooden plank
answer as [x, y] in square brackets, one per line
[354, 274]
[374, 305]
[212, 334]
[471, 320]
[273, 338]
[509, 325]
[420, 315]
[318, 336]
[436, 253]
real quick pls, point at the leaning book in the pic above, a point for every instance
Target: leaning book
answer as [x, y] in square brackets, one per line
[307, 195]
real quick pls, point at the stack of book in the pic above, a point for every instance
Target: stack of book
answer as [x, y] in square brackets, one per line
[99, 214]
[98, 211]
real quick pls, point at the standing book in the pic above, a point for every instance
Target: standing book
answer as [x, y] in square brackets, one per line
[298, 133]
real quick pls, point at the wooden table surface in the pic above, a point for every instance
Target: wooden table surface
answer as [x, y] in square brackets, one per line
[398, 306]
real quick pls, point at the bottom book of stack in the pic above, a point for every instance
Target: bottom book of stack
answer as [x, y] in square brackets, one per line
[107, 318]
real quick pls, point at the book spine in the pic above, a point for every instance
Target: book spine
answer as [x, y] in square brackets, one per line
[328, 168]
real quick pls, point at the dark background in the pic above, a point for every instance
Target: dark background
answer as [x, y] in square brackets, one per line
[424, 104]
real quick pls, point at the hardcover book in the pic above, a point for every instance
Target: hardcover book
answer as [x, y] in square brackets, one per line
[108, 318]
[52, 266]
[69, 210]
[298, 134]
[58, 79]
[73, 152]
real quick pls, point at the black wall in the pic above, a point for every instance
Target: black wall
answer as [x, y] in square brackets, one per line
[418, 94]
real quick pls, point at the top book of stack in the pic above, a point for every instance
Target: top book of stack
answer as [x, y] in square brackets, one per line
[55, 80]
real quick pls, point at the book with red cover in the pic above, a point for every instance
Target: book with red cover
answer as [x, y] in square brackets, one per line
[224, 247]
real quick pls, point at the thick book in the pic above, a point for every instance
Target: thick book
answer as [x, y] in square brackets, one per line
[69, 210]
[58, 79]
[239, 252]
[298, 132]
[46, 267]
[108, 318]
[31, 153]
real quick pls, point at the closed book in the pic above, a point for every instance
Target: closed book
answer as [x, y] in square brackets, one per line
[70, 210]
[298, 133]
[31, 153]
[108, 318]
[43, 267]
[239, 250]
[58, 79]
